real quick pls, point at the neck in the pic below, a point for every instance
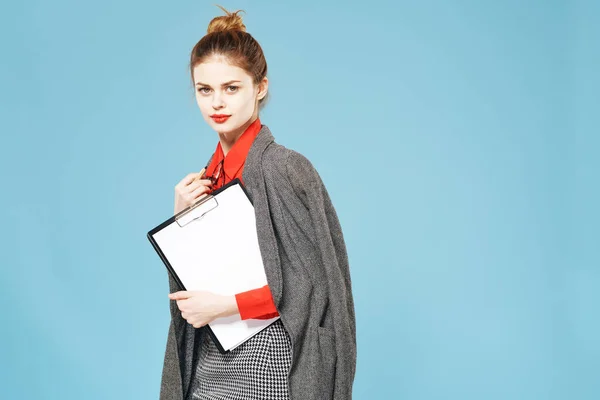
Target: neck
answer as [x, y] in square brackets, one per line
[228, 139]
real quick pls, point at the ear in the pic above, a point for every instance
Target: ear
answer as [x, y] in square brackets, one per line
[263, 88]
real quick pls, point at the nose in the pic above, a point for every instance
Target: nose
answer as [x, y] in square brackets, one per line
[217, 100]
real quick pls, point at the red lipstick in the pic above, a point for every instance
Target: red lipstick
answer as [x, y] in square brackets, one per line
[220, 118]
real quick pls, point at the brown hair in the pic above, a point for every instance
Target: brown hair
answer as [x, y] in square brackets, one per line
[226, 36]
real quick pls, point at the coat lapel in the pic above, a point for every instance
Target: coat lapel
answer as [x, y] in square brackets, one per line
[254, 180]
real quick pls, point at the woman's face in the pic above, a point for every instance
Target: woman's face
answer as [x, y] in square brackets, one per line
[223, 89]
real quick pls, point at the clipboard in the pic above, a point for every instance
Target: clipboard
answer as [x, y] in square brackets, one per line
[213, 245]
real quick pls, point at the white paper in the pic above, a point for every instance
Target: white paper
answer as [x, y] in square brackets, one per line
[219, 253]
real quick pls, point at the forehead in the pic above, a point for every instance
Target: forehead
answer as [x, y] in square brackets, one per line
[217, 70]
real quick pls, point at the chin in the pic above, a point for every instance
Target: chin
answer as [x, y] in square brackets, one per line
[227, 127]
[222, 128]
[217, 127]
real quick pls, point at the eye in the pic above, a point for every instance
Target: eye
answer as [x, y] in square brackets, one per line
[232, 88]
[203, 90]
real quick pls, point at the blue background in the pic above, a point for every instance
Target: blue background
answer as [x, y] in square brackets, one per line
[457, 140]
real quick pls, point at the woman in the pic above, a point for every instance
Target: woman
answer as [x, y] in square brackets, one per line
[310, 352]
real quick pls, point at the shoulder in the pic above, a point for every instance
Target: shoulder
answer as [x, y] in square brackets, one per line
[288, 168]
[299, 170]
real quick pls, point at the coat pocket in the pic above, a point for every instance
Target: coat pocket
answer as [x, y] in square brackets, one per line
[327, 360]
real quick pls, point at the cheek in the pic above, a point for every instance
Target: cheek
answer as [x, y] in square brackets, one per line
[203, 104]
[243, 104]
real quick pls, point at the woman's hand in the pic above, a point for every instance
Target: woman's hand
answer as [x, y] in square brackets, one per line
[188, 191]
[201, 307]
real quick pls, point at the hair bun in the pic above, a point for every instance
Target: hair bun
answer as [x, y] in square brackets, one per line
[230, 22]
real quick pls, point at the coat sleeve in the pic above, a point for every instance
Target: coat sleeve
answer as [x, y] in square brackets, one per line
[309, 187]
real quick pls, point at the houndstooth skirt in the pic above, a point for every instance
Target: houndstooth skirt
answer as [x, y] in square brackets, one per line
[257, 369]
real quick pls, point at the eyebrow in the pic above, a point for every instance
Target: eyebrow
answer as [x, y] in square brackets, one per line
[223, 84]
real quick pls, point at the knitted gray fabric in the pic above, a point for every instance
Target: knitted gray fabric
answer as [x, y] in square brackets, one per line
[306, 264]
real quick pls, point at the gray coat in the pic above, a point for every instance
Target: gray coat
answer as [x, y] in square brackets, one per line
[306, 265]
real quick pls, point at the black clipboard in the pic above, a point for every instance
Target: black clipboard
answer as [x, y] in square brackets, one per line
[183, 218]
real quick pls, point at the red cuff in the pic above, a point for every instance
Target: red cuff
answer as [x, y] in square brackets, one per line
[256, 304]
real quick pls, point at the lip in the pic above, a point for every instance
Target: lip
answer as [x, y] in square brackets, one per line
[220, 118]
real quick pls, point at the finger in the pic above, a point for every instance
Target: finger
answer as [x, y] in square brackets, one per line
[182, 294]
[199, 324]
[193, 198]
[195, 194]
[189, 178]
[200, 182]
[195, 185]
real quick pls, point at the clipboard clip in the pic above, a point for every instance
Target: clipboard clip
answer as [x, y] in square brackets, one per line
[197, 210]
